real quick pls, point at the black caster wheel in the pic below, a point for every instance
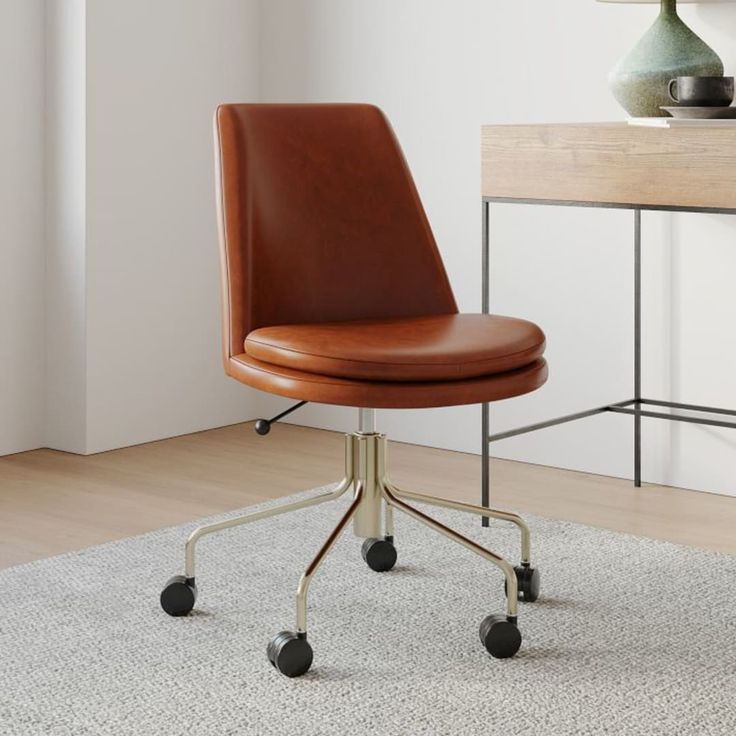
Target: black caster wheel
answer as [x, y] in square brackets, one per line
[500, 636]
[379, 554]
[290, 653]
[178, 596]
[529, 582]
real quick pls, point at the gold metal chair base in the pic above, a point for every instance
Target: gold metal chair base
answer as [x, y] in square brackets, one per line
[374, 496]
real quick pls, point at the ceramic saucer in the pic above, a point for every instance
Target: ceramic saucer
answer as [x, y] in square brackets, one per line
[701, 113]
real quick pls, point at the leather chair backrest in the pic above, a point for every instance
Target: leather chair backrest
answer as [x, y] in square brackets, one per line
[320, 220]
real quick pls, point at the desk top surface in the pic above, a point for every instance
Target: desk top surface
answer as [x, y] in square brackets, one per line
[611, 164]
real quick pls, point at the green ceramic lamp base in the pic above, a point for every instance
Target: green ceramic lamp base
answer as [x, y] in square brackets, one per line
[667, 50]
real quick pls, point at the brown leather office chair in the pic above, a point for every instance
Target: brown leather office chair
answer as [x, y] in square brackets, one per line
[334, 292]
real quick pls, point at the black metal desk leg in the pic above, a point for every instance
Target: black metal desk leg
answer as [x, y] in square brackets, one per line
[637, 347]
[485, 472]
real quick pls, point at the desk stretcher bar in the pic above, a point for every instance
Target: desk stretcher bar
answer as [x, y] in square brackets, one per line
[624, 407]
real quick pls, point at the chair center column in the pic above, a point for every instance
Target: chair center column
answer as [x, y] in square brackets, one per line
[369, 469]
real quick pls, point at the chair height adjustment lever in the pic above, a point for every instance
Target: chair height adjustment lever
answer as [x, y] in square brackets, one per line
[263, 426]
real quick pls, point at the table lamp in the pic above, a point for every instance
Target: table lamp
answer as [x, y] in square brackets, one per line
[667, 50]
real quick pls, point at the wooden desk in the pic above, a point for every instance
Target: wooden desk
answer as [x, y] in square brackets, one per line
[608, 165]
[611, 164]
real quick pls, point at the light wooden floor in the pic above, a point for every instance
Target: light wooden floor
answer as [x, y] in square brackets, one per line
[52, 502]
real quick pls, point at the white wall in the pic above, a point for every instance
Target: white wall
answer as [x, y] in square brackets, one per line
[65, 419]
[22, 345]
[110, 324]
[155, 73]
[109, 290]
[440, 70]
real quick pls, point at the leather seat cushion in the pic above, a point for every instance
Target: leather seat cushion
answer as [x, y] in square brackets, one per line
[384, 394]
[446, 347]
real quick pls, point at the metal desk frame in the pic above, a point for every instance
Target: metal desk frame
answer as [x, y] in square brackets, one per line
[637, 407]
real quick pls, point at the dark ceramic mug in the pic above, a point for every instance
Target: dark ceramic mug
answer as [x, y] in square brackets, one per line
[702, 91]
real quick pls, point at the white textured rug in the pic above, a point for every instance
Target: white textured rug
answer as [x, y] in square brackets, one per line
[631, 637]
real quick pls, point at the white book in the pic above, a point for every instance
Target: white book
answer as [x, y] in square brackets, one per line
[683, 122]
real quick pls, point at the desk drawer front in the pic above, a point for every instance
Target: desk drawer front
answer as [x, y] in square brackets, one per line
[611, 163]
